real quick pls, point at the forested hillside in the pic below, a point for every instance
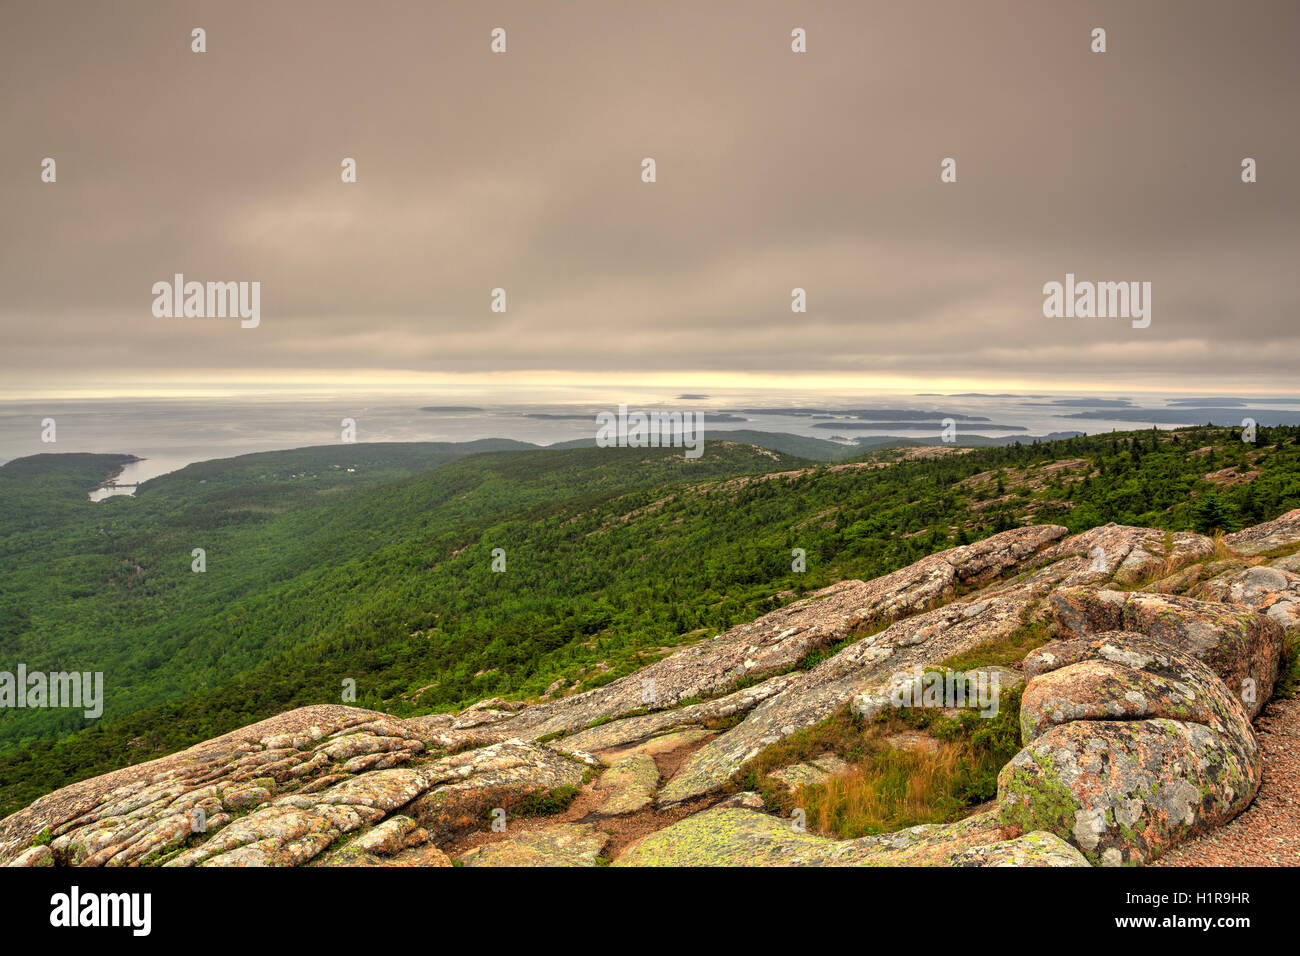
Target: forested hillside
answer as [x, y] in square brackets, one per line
[296, 545]
[382, 574]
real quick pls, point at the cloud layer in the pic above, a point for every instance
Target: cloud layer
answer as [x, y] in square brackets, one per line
[775, 170]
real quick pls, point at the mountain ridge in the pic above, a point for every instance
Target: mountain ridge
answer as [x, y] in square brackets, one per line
[332, 785]
[712, 551]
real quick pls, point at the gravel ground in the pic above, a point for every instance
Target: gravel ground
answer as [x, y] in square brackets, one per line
[1268, 833]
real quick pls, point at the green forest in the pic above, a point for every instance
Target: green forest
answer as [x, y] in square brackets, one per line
[374, 563]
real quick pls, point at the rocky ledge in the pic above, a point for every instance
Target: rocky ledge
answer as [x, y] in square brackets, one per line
[1135, 720]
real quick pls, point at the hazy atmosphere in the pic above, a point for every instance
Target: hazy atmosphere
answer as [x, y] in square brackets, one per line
[735, 434]
[523, 171]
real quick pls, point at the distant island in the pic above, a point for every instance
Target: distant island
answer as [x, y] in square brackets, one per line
[709, 417]
[869, 414]
[908, 426]
[1196, 416]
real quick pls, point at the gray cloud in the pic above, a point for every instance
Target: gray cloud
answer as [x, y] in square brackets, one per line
[775, 170]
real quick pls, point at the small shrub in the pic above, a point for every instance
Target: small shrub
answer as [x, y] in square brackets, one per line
[544, 803]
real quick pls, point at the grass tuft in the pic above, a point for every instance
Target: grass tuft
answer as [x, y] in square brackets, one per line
[888, 788]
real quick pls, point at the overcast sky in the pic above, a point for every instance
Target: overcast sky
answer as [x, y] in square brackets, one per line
[775, 170]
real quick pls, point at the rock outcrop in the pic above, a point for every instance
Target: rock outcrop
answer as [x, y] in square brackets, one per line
[1131, 746]
[1274, 591]
[1281, 532]
[628, 785]
[1237, 642]
[566, 844]
[861, 670]
[741, 836]
[779, 640]
[1135, 723]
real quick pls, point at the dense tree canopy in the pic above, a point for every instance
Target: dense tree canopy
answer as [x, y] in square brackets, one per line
[374, 563]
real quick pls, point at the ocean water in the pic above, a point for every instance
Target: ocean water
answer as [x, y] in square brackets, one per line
[171, 433]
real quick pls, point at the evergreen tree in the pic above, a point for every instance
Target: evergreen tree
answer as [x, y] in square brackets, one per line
[1208, 514]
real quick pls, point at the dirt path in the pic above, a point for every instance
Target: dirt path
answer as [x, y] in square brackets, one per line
[1268, 833]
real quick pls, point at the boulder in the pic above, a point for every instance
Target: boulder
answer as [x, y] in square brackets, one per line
[1238, 643]
[1290, 562]
[1271, 590]
[1121, 675]
[1038, 848]
[1082, 610]
[1125, 791]
[1124, 554]
[1132, 746]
